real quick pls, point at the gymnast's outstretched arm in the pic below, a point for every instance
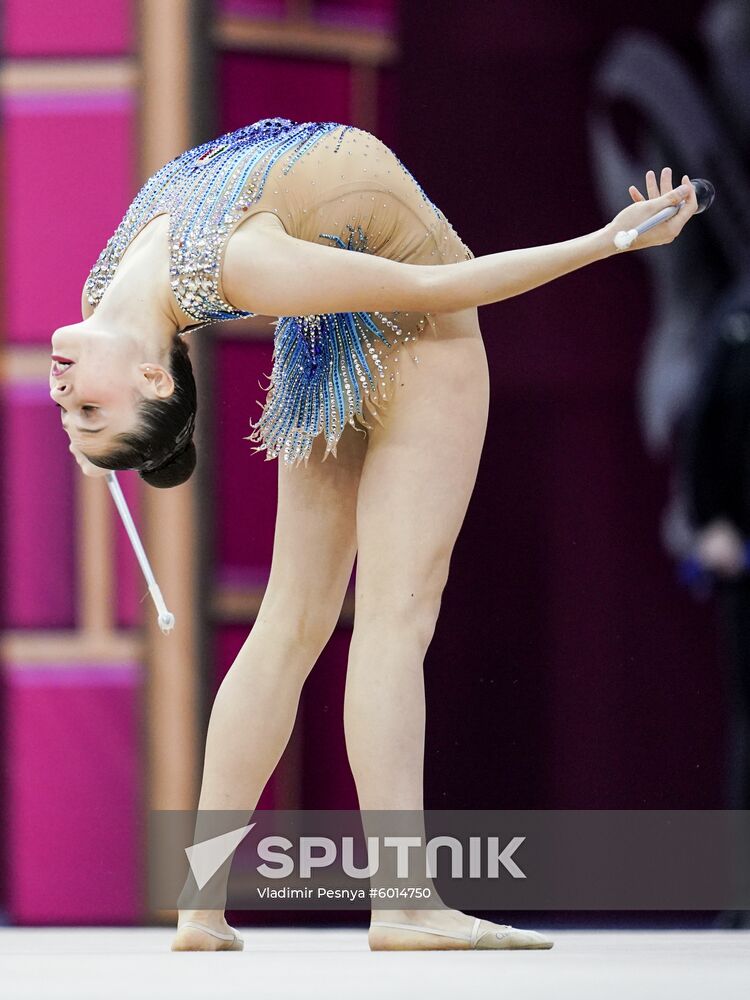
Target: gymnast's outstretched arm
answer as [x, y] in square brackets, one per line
[271, 273]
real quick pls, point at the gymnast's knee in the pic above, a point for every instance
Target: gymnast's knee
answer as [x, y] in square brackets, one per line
[299, 619]
[406, 614]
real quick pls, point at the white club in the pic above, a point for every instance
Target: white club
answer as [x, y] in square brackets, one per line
[166, 618]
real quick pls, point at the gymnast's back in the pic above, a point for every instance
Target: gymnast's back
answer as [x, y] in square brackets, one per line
[326, 182]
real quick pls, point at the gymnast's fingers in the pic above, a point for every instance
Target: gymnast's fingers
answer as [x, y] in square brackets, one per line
[666, 180]
[652, 187]
[687, 209]
[635, 194]
[692, 199]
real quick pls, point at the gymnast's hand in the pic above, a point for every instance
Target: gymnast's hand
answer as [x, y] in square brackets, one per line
[720, 548]
[658, 198]
[87, 468]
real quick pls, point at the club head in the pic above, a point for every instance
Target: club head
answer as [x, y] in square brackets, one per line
[705, 192]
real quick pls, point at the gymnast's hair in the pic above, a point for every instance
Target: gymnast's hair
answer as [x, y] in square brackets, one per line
[161, 448]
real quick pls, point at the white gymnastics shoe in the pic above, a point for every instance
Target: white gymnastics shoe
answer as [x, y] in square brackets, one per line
[191, 936]
[484, 935]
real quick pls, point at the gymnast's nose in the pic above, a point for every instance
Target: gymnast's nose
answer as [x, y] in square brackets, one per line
[60, 391]
[60, 388]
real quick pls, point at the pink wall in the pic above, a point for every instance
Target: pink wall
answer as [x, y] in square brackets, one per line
[51, 27]
[67, 180]
[39, 527]
[73, 811]
[71, 840]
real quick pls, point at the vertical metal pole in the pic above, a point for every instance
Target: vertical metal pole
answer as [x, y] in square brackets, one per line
[172, 709]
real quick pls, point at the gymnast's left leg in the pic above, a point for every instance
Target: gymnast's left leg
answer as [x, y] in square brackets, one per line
[414, 490]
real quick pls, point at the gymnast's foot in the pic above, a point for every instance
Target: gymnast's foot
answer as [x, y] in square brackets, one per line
[205, 930]
[418, 930]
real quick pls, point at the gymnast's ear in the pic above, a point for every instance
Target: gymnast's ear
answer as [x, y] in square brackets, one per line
[160, 382]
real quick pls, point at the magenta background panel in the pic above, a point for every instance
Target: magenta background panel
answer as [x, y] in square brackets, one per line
[564, 638]
[39, 523]
[254, 87]
[253, 8]
[52, 27]
[379, 14]
[387, 109]
[132, 590]
[327, 779]
[73, 804]
[68, 181]
[245, 498]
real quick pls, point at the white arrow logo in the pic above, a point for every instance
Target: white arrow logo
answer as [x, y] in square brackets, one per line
[209, 855]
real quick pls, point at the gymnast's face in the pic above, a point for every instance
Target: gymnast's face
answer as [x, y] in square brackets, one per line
[97, 379]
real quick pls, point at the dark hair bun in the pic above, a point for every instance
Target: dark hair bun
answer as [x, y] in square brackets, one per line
[177, 470]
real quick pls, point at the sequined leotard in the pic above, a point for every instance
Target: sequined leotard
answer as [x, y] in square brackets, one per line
[327, 183]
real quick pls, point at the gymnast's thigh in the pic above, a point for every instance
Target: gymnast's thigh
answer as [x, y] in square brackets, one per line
[315, 534]
[420, 467]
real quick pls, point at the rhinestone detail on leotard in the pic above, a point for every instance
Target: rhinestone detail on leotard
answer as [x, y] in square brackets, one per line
[206, 191]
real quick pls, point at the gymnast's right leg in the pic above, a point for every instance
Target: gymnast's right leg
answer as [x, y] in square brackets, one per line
[255, 707]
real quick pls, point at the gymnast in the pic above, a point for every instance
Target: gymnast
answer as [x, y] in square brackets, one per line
[376, 408]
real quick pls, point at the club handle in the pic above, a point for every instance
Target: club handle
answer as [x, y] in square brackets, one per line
[165, 617]
[625, 238]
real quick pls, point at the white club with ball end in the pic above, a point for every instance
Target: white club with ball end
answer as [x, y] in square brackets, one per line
[704, 193]
[166, 618]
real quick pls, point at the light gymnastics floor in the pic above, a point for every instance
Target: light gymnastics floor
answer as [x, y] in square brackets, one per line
[132, 963]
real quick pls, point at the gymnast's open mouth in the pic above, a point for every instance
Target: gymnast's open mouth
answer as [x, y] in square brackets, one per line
[60, 364]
